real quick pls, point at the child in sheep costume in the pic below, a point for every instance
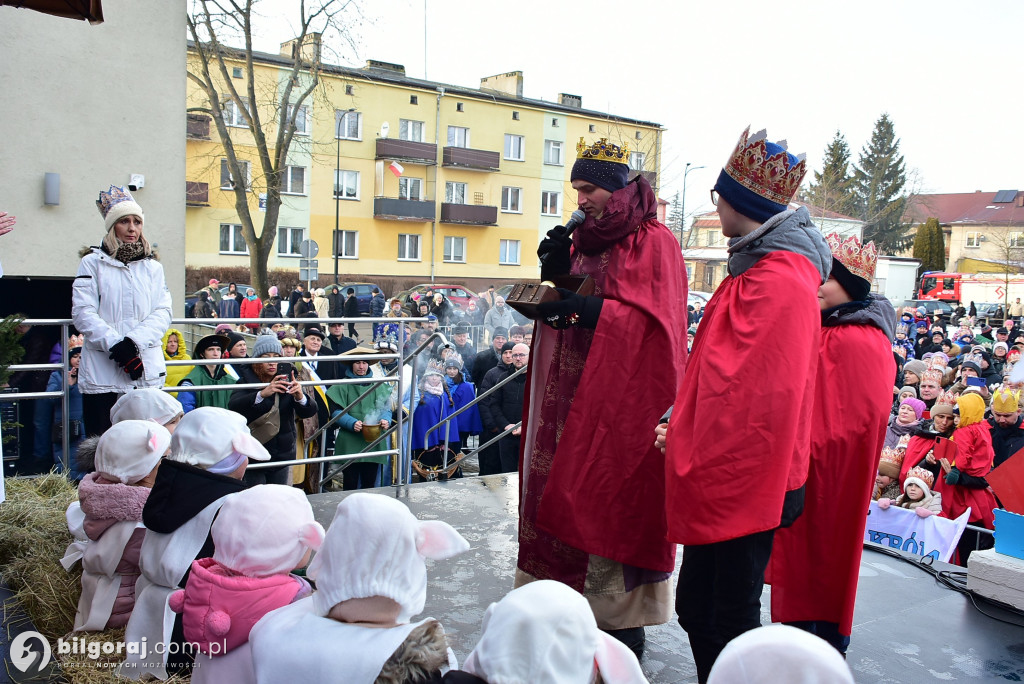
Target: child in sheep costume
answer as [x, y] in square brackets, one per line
[371, 580]
[260, 536]
[108, 514]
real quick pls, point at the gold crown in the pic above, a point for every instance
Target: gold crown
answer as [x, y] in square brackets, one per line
[946, 398]
[771, 176]
[892, 455]
[602, 150]
[1005, 400]
[921, 474]
[858, 259]
[933, 374]
[903, 442]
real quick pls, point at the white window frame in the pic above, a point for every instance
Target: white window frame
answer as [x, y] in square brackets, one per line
[1016, 239]
[345, 117]
[342, 175]
[231, 184]
[545, 208]
[453, 136]
[511, 199]
[450, 188]
[553, 152]
[342, 254]
[451, 252]
[636, 160]
[404, 184]
[409, 239]
[292, 186]
[972, 239]
[515, 147]
[235, 231]
[292, 237]
[504, 257]
[411, 126]
[307, 122]
[232, 114]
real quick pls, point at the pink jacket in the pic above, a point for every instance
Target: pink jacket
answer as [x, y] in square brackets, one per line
[220, 607]
[104, 503]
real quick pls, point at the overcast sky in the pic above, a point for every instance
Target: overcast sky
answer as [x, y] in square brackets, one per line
[948, 73]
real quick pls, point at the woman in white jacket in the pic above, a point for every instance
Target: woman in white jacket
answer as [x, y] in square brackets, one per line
[121, 305]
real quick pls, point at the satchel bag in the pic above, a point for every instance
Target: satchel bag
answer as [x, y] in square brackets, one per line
[269, 424]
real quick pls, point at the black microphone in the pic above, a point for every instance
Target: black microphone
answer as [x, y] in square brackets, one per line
[574, 221]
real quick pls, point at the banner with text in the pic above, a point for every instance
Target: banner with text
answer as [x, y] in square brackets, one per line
[903, 529]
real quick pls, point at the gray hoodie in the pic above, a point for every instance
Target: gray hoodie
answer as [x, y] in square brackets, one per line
[789, 231]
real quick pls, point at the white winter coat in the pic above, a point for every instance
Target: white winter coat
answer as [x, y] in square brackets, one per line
[112, 300]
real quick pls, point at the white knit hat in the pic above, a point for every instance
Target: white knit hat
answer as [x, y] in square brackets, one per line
[145, 404]
[265, 531]
[129, 450]
[117, 203]
[208, 436]
[545, 633]
[779, 653]
[375, 546]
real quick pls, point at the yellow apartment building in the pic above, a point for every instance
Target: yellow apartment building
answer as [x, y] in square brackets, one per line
[422, 179]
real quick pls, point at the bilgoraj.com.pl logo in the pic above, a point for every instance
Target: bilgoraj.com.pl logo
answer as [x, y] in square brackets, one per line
[31, 652]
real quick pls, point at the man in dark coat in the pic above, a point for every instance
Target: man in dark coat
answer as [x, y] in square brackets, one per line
[490, 458]
[486, 360]
[464, 346]
[293, 299]
[506, 409]
[351, 311]
[303, 306]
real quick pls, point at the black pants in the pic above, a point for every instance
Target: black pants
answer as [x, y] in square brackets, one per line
[258, 476]
[96, 412]
[352, 330]
[508, 452]
[829, 631]
[719, 594]
[489, 458]
[360, 476]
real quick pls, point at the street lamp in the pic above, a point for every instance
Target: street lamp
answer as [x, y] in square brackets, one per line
[337, 191]
[682, 203]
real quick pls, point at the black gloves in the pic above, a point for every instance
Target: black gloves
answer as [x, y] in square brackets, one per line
[126, 355]
[571, 309]
[554, 253]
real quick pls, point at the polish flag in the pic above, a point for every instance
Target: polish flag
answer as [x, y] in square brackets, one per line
[396, 169]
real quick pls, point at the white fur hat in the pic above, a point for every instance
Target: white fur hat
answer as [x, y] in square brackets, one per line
[779, 653]
[145, 404]
[375, 546]
[545, 633]
[265, 531]
[129, 450]
[208, 436]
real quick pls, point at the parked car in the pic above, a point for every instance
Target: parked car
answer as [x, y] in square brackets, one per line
[405, 297]
[190, 300]
[931, 307]
[989, 309]
[364, 293]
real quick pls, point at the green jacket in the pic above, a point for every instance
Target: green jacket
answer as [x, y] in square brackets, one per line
[200, 378]
[340, 396]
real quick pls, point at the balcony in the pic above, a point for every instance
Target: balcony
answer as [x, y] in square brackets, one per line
[197, 127]
[394, 209]
[197, 194]
[407, 151]
[472, 214]
[473, 160]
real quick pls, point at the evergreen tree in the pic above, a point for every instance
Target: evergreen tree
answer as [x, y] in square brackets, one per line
[938, 247]
[928, 246]
[675, 214]
[831, 187]
[878, 181]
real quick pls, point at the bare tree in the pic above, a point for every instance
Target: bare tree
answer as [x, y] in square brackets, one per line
[1008, 247]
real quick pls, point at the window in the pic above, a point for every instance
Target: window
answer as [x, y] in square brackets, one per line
[233, 115]
[346, 184]
[458, 136]
[231, 240]
[227, 182]
[550, 203]
[288, 241]
[294, 181]
[508, 252]
[349, 90]
[236, 72]
[515, 116]
[974, 239]
[347, 246]
[413, 99]
[410, 188]
[709, 277]
[410, 130]
[455, 249]
[591, 128]
[638, 136]
[636, 161]
[554, 123]
[455, 193]
[303, 123]
[510, 200]
[713, 238]
[1016, 239]
[514, 147]
[408, 247]
[349, 125]
[553, 152]
[458, 107]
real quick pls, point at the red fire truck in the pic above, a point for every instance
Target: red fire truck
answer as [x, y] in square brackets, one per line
[970, 287]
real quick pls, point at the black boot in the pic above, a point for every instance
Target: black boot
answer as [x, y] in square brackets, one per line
[634, 638]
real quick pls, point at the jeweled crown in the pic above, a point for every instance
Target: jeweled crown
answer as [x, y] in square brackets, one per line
[772, 176]
[860, 260]
[1006, 400]
[434, 367]
[922, 474]
[602, 150]
[108, 199]
[972, 358]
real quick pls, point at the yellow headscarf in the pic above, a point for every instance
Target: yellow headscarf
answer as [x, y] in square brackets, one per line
[972, 408]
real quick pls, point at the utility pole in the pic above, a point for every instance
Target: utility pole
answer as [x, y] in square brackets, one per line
[682, 204]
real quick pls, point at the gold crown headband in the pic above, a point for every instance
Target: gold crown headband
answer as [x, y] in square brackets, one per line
[602, 150]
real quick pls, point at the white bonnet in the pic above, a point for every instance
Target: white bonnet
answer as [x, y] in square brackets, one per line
[145, 404]
[208, 435]
[779, 653]
[129, 450]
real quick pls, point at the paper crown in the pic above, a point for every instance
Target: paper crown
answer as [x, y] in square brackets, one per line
[386, 341]
[772, 176]
[903, 442]
[933, 375]
[890, 462]
[858, 259]
[938, 360]
[112, 197]
[903, 328]
[922, 474]
[434, 367]
[602, 150]
[947, 399]
[973, 357]
[1005, 400]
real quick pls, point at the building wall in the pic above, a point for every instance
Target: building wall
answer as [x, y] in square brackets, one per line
[94, 104]
[971, 244]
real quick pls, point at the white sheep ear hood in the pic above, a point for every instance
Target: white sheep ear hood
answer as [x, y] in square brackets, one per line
[210, 435]
[129, 450]
[545, 633]
[779, 653]
[375, 546]
[148, 403]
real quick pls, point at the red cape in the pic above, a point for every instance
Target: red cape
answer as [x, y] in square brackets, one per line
[738, 439]
[974, 456]
[815, 563]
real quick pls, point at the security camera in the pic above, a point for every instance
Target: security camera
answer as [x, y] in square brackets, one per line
[136, 182]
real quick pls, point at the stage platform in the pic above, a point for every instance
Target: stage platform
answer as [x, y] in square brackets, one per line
[908, 629]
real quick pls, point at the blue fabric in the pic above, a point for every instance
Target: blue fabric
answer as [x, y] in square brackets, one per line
[746, 202]
[55, 384]
[431, 411]
[469, 421]
[609, 175]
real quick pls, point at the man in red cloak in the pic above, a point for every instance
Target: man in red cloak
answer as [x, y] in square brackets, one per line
[738, 439]
[592, 506]
[815, 563]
